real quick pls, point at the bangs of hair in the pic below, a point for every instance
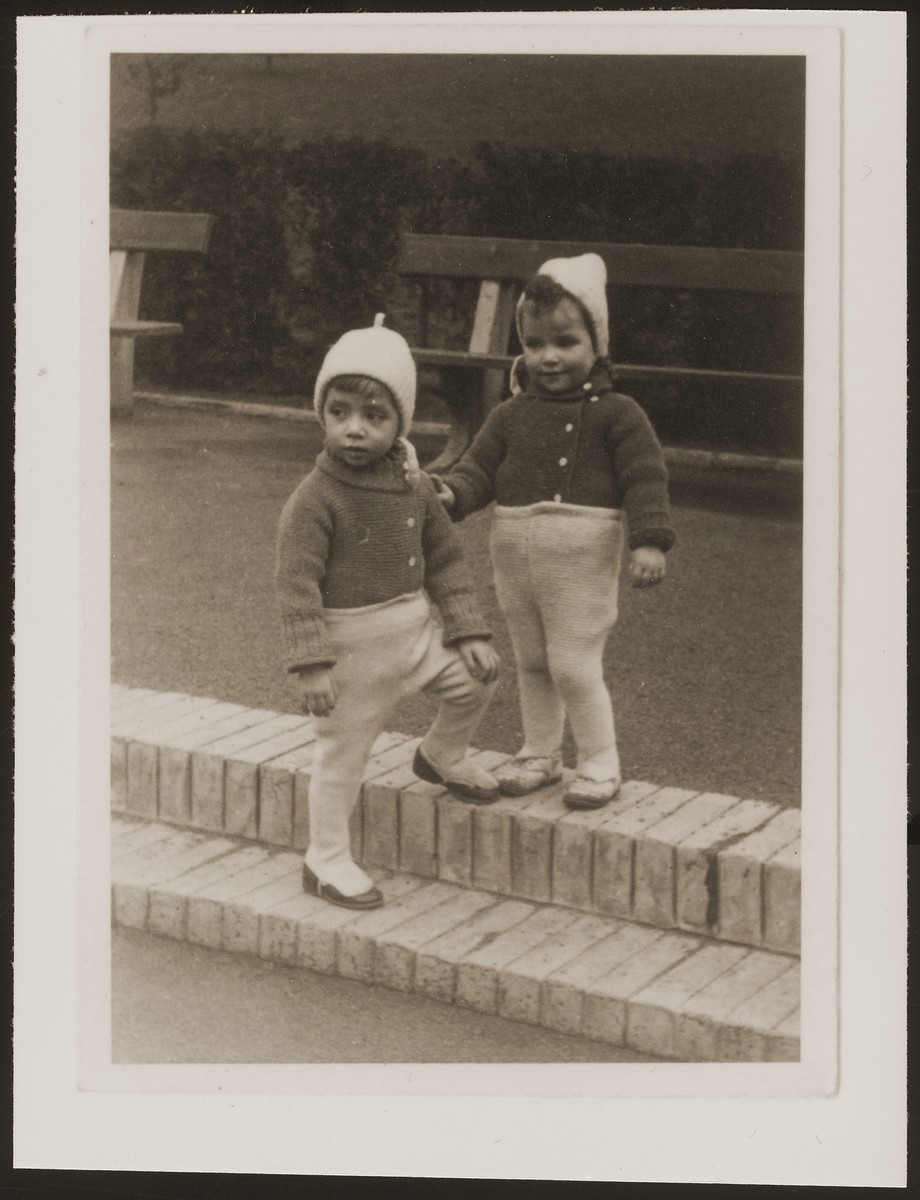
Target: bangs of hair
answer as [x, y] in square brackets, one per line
[545, 294]
[361, 385]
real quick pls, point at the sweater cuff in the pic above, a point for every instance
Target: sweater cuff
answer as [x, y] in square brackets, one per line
[661, 536]
[306, 643]
[462, 618]
[460, 507]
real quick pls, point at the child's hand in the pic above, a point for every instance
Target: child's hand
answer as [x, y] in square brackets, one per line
[445, 495]
[481, 660]
[317, 691]
[647, 566]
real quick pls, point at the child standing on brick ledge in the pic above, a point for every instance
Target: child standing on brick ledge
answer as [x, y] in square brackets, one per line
[359, 540]
[565, 458]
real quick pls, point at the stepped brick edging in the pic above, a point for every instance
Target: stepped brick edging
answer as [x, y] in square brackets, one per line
[673, 994]
[703, 863]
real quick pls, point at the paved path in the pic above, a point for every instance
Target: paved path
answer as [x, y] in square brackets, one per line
[705, 671]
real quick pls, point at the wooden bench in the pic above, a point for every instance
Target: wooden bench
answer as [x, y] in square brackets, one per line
[503, 264]
[131, 235]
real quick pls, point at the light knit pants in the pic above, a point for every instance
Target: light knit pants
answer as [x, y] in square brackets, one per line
[557, 570]
[383, 653]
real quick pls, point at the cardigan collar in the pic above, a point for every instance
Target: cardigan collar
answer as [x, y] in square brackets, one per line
[600, 380]
[385, 475]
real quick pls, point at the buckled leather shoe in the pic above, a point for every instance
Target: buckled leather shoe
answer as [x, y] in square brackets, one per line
[590, 793]
[523, 775]
[461, 779]
[372, 898]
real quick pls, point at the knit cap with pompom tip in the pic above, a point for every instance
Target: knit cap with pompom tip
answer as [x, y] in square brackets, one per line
[380, 353]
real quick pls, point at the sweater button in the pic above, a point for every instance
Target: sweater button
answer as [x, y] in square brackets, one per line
[557, 498]
[412, 561]
[569, 427]
[587, 386]
[594, 399]
[563, 462]
[411, 522]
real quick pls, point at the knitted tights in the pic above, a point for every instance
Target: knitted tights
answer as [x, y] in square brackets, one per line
[383, 652]
[556, 576]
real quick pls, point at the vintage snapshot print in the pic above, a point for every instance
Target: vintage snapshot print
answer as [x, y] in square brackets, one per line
[465, 415]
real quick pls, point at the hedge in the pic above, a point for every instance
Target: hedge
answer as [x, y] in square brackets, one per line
[304, 246]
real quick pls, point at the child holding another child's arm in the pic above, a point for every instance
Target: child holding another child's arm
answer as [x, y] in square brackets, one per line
[566, 459]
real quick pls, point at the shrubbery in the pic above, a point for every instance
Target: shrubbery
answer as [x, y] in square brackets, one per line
[305, 241]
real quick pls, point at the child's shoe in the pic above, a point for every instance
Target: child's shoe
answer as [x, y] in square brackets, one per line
[372, 898]
[526, 774]
[590, 793]
[465, 778]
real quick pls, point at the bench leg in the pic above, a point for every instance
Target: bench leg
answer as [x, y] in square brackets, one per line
[469, 393]
[121, 374]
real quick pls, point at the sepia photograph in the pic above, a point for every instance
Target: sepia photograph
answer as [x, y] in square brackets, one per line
[460, 416]
[572, 791]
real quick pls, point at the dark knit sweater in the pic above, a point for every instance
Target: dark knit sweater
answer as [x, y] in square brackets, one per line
[593, 446]
[349, 538]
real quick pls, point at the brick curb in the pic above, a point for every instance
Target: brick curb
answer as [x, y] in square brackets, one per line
[702, 863]
[674, 455]
[670, 994]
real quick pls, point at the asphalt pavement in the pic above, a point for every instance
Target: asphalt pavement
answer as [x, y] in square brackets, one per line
[705, 671]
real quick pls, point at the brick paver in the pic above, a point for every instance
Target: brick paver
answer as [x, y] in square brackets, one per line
[491, 843]
[743, 1038]
[605, 1001]
[455, 839]
[740, 868]
[615, 846]
[168, 906]
[574, 846]
[650, 1013]
[276, 793]
[436, 962]
[696, 869]
[144, 723]
[131, 881]
[564, 990]
[317, 937]
[357, 942]
[205, 908]
[519, 983]
[698, 1021]
[209, 764]
[395, 952]
[418, 828]
[783, 898]
[532, 843]
[385, 777]
[478, 972]
[240, 931]
[654, 886]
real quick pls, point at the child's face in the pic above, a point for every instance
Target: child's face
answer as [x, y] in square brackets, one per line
[359, 429]
[558, 350]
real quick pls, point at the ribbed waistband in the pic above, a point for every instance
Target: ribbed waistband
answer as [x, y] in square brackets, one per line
[609, 516]
[376, 620]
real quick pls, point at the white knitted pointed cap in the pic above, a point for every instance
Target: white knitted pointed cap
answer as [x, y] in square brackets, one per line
[585, 278]
[380, 353]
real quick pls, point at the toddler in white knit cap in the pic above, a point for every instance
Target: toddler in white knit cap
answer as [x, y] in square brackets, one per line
[363, 544]
[565, 459]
